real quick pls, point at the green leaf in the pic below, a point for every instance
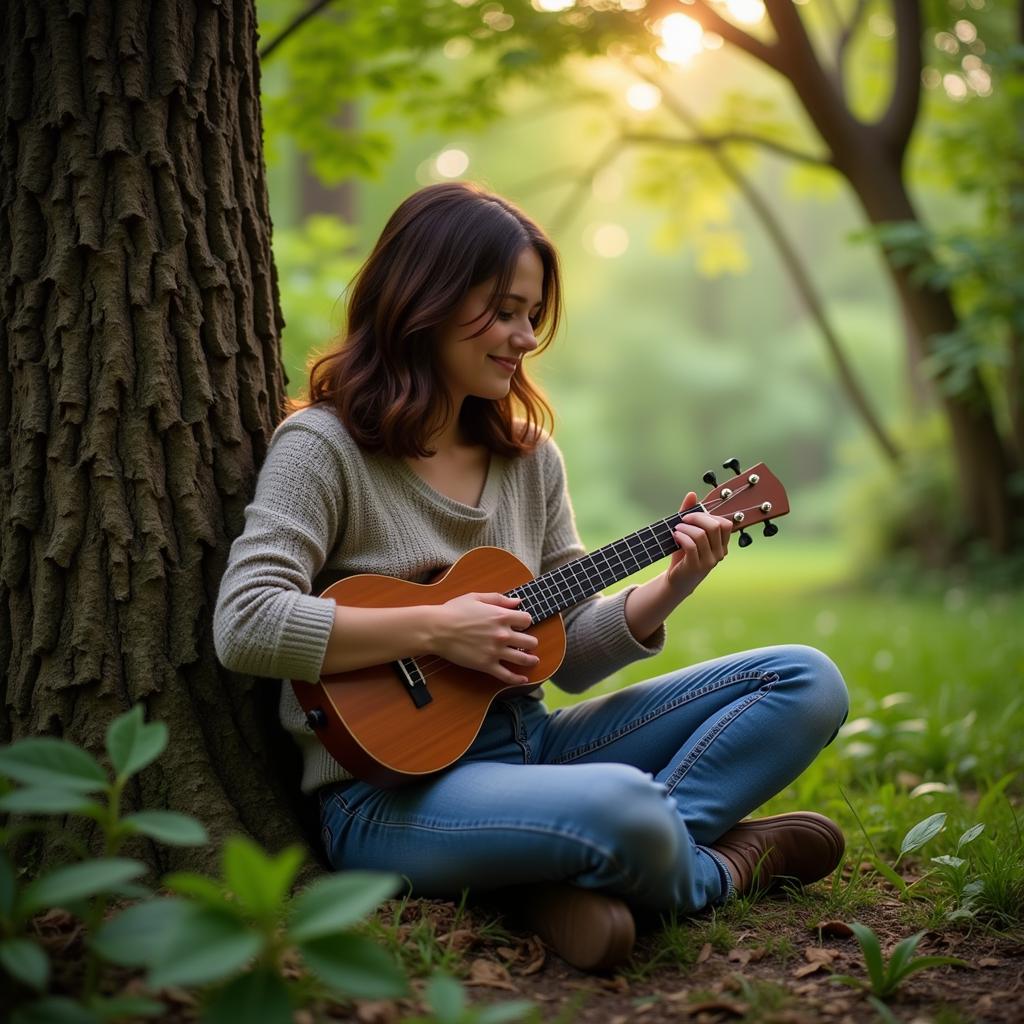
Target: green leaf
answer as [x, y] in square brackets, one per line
[503, 1013]
[54, 1010]
[8, 885]
[168, 827]
[898, 960]
[991, 797]
[872, 954]
[206, 945]
[354, 966]
[970, 835]
[47, 800]
[132, 743]
[924, 962]
[883, 1011]
[24, 960]
[51, 763]
[201, 888]
[77, 882]
[260, 882]
[922, 832]
[887, 872]
[950, 862]
[339, 901]
[260, 997]
[137, 936]
[127, 1006]
[446, 998]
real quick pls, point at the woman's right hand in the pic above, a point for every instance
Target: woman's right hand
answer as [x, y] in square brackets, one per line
[480, 631]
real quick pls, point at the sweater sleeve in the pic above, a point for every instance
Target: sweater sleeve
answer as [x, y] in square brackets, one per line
[266, 622]
[598, 638]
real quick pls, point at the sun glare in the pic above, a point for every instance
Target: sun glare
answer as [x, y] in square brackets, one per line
[747, 12]
[682, 39]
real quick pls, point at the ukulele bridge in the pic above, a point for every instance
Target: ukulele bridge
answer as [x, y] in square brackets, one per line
[416, 683]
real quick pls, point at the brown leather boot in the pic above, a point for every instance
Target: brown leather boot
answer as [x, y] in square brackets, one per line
[764, 852]
[589, 929]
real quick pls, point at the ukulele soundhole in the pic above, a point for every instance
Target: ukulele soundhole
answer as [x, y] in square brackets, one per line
[414, 680]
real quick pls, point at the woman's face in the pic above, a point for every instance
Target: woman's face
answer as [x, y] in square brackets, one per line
[485, 365]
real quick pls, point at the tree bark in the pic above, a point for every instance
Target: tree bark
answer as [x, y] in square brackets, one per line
[139, 384]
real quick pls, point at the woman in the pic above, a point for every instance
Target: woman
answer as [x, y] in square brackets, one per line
[423, 439]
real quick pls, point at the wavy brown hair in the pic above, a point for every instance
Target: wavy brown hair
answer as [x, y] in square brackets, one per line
[383, 379]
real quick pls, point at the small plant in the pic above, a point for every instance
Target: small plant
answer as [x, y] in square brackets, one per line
[885, 978]
[59, 778]
[239, 939]
[237, 935]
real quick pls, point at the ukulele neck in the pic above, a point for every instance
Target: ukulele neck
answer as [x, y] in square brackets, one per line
[575, 581]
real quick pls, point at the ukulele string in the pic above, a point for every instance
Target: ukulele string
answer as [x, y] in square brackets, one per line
[427, 667]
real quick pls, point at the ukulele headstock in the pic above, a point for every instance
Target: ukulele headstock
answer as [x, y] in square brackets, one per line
[748, 498]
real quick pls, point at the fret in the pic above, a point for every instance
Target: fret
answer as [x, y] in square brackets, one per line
[574, 581]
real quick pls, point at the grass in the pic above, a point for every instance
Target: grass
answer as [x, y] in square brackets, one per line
[934, 679]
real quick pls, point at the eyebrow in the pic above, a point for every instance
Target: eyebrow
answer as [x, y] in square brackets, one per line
[518, 298]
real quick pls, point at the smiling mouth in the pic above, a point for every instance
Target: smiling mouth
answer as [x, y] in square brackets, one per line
[508, 364]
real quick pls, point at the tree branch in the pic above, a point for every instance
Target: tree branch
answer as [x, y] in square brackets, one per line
[897, 123]
[293, 26]
[700, 11]
[727, 138]
[846, 36]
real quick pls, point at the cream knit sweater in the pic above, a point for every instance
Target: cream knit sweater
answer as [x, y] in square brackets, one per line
[325, 509]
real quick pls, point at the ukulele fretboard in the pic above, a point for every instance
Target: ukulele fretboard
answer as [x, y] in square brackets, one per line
[567, 585]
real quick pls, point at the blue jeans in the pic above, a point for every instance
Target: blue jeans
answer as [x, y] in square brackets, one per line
[623, 792]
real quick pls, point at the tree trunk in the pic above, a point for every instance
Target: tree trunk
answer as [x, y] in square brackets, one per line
[982, 458]
[139, 385]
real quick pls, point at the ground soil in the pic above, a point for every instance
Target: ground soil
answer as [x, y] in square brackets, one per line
[777, 969]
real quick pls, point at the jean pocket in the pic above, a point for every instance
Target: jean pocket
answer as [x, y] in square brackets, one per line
[328, 840]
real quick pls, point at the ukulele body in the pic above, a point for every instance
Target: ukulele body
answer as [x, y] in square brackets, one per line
[368, 719]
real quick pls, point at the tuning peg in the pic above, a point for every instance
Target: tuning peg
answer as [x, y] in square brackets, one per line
[710, 479]
[745, 539]
[770, 529]
[733, 464]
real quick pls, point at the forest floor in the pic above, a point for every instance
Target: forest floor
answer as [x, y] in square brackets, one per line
[772, 960]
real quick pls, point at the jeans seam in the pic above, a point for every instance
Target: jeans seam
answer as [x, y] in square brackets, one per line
[712, 734]
[637, 723]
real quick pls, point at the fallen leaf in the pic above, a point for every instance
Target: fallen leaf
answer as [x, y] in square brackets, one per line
[460, 939]
[804, 969]
[740, 956]
[616, 984]
[819, 955]
[381, 1011]
[833, 929]
[990, 961]
[490, 974]
[717, 1006]
[705, 952]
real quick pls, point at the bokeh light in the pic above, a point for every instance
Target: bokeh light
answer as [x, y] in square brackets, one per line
[553, 5]
[681, 39]
[606, 240]
[643, 96]
[451, 163]
[747, 12]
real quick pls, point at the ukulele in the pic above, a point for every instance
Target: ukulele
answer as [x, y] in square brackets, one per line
[401, 722]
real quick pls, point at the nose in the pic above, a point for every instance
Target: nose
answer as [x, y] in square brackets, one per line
[524, 340]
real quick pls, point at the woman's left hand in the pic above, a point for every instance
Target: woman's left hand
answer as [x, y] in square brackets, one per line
[703, 541]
